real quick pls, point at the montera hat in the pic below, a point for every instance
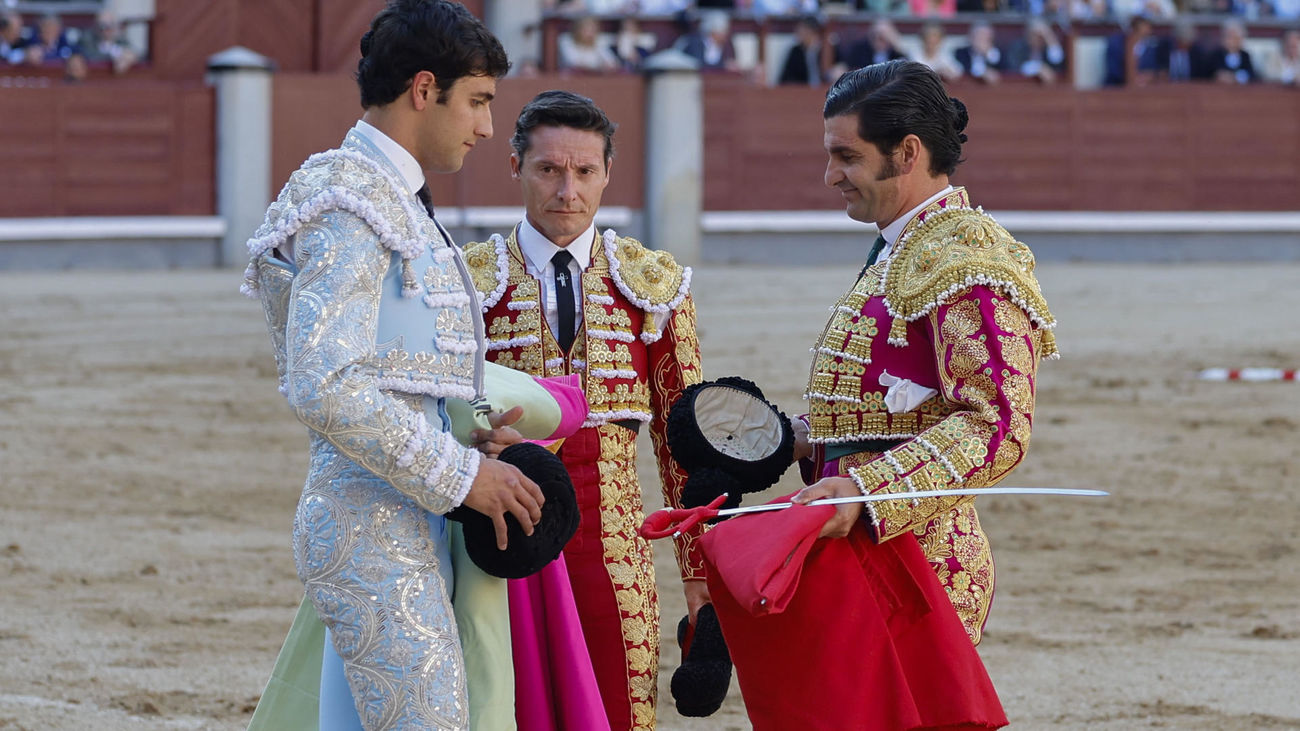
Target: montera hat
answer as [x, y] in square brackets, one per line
[726, 431]
[524, 555]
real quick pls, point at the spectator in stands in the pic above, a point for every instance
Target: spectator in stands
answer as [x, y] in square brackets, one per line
[1286, 65]
[980, 58]
[934, 55]
[1288, 9]
[11, 37]
[630, 47]
[783, 7]
[803, 64]
[1140, 44]
[933, 8]
[108, 44]
[581, 49]
[1038, 54]
[879, 45]
[1230, 63]
[660, 7]
[1152, 9]
[52, 43]
[607, 7]
[710, 44]
[1181, 57]
[1088, 9]
[75, 68]
[589, 7]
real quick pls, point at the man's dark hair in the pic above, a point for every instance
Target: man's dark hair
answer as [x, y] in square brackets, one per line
[557, 108]
[410, 36]
[898, 98]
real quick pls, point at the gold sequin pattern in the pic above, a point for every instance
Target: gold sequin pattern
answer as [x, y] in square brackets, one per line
[630, 562]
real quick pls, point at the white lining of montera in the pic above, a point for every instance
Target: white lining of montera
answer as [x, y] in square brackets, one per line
[737, 424]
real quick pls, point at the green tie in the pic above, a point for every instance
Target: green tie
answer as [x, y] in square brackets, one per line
[875, 252]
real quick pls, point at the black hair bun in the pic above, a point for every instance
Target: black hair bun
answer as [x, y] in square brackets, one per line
[365, 42]
[524, 555]
[960, 117]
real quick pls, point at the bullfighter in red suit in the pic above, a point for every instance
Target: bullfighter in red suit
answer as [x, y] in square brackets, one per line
[923, 379]
[561, 297]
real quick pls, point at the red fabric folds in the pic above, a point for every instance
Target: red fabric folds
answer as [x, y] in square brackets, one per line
[841, 633]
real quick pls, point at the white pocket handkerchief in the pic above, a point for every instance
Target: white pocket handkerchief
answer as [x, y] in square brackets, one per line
[903, 395]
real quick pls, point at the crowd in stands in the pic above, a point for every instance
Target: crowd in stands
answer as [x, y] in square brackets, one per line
[1039, 54]
[49, 44]
[1055, 10]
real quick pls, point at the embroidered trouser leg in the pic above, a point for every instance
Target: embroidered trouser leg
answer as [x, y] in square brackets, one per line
[611, 569]
[378, 577]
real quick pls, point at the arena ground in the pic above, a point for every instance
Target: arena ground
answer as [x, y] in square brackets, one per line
[149, 472]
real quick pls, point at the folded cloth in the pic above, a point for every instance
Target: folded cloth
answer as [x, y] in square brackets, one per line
[763, 581]
[841, 633]
[903, 395]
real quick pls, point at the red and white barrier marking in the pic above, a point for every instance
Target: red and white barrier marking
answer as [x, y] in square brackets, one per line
[1248, 374]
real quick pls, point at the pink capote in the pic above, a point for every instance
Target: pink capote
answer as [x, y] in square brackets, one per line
[555, 685]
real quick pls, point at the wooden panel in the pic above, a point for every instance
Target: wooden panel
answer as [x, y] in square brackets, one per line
[186, 33]
[112, 148]
[309, 113]
[339, 29]
[282, 30]
[1162, 148]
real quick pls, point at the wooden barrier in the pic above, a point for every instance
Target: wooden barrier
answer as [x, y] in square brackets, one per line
[1188, 147]
[116, 148]
[142, 147]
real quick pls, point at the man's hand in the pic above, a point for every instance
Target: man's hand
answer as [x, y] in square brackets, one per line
[803, 449]
[697, 595]
[501, 435]
[846, 515]
[500, 488]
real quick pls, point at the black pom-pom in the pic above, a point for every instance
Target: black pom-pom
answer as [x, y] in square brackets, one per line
[524, 555]
[706, 483]
[699, 685]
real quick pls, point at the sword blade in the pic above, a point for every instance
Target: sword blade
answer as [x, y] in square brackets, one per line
[880, 497]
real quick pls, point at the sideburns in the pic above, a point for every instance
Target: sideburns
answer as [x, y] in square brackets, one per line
[888, 169]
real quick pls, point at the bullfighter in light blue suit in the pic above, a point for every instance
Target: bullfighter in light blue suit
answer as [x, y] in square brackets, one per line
[376, 329]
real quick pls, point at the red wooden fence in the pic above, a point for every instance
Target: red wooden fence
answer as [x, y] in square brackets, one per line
[117, 148]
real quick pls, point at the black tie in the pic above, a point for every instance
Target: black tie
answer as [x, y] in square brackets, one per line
[875, 252]
[564, 297]
[424, 197]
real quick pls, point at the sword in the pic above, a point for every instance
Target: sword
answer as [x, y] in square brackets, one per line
[673, 521]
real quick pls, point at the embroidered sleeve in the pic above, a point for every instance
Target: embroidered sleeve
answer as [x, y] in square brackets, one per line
[330, 349]
[988, 354]
[674, 365]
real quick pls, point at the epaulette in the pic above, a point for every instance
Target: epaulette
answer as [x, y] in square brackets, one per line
[651, 280]
[329, 181]
[489, 268]
[952, 250]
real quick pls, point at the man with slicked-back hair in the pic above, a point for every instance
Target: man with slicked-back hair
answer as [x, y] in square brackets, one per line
[562, 297]
[923, 379]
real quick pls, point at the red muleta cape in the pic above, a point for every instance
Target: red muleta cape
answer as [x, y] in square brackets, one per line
[841, 633]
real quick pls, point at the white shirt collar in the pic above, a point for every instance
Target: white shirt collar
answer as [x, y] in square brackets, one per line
[892, 231]
[538, 249]
[401, 158]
